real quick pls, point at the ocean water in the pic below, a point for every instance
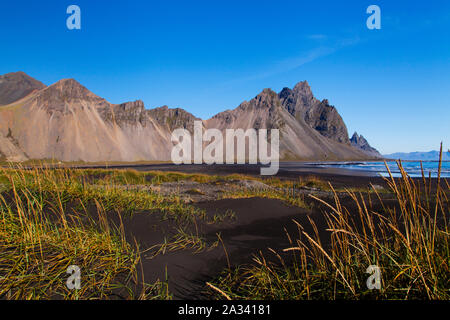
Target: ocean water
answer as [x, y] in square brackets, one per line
[413, 168]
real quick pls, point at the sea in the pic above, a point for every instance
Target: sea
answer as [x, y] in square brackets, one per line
[413, 168]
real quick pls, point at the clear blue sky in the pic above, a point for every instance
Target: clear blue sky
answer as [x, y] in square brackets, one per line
[391, 85]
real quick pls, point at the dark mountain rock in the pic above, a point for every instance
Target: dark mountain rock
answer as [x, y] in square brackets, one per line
[173, 118]
[17, 85]
[320, 115]
[358, 141]
[298, 140]
[125, 113]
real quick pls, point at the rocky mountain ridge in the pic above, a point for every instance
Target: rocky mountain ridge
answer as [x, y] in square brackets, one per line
[66, 121]
[358, 141]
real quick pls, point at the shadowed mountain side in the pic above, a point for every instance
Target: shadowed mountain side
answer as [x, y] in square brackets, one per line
[319, 115]
[17, 85]
[298, 140]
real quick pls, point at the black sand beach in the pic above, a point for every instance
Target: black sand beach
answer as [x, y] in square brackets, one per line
[259, 225]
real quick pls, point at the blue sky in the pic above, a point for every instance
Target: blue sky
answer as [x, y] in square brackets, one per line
[391, 85]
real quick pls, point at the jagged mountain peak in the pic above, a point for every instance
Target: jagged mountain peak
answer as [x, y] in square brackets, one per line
[299, 99]
[358, 141]
[285, 92]
[355, 137]
[266, 99]
[320, 115]
[303, 89]
[267, 94]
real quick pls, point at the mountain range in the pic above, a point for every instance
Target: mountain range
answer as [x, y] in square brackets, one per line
[67, 122]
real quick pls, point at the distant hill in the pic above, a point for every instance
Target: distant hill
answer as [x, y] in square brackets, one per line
[424, 156]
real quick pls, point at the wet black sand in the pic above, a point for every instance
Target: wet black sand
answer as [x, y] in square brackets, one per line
[260, 224]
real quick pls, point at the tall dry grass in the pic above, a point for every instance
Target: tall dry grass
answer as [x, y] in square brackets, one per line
[50, 220]
[407, 238]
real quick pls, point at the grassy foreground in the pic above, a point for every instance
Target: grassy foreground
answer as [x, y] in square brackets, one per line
[53, 219]
[407, 244]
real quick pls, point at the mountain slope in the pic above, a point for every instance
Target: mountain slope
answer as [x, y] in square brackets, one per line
[66, 121]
